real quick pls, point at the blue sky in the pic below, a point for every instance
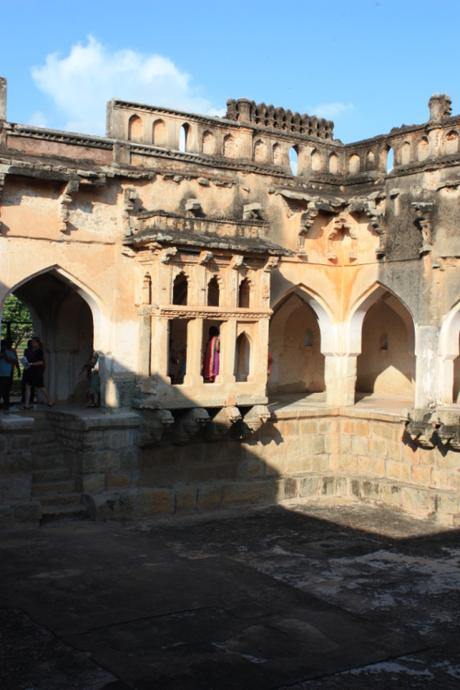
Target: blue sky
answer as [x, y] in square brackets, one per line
[369, 65]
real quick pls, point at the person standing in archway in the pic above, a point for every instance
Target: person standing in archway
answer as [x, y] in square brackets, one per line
[8, 360]
[211, 364]
[34, 373]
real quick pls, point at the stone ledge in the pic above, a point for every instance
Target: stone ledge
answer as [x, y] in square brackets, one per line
[11, 423]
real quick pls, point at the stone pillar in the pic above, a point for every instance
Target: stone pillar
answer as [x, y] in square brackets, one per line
[426, 348]
[3, 90]
[159, 349]
[194, 348]
[145, 337]
[340, 379]
[446, 379]
[259, 353]
[227, 351]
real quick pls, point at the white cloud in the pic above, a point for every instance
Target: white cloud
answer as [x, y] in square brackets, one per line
[38, 119]
[331, 110]
[81, 83]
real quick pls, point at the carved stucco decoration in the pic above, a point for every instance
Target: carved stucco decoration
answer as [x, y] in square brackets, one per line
[423, 211]
[71, 188]
[341, 226]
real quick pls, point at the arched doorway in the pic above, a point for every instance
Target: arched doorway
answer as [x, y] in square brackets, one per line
[63, 321]
[297, 365]
[386, 365]
[456, 391]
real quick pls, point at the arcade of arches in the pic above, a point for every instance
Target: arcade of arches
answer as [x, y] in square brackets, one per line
[63, 321]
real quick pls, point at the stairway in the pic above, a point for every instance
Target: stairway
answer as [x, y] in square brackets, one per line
[53, 481]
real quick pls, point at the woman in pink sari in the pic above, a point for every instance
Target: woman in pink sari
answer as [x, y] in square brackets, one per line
[212, 356]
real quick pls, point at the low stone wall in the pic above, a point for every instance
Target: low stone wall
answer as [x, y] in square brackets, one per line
[16, 470]
[300, 454]
[102, 447]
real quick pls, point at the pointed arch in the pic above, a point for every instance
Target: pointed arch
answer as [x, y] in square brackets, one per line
[244, 294]
[295, 345]
[449, 357]
[382, 334]
[243, 348]
[213, 295]
[68, 316]
[135, 128]
[208, 143]
[321, 309]
[159, 133]
[362, 305]
[180, 289]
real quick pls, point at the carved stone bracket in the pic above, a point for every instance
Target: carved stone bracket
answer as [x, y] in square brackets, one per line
[224, 421]
[71, 188]
[237, 262]
[193, 208]
[254, 419]
[253, 212]
[131, 204]
[272, 263]
[423, 211]
[157, 423]
[420, 428]
[189, 424]
[205, 257]
[167, 254]
[448, 429]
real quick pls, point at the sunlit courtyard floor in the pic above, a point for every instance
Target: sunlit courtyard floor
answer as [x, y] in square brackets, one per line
[313, 597]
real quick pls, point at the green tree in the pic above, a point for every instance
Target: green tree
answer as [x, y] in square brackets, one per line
[16, 321]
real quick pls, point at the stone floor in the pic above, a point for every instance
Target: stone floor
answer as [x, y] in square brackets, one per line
[310, 598]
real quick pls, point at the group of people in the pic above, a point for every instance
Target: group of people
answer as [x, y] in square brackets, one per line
[33, 363]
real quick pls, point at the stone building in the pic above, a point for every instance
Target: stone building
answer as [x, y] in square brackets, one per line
[331, 272]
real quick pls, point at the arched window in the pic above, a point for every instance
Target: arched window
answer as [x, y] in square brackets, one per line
[229, 146]
[209, 143]
[423, 149]
[244, 294]
[389, 159]
[277, 154]
[370, 160]
[135, 128]
[242, 358]
[159, 133]
[293, 159]
[451, 142]
[180, 289]
[333, 163]
[315, 160]
[183, 137]
[260, 151]
[213, 292]
[354, 164]
[404, 153]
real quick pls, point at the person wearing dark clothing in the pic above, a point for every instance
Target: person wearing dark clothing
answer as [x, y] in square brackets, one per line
[35, 369]
[8, 360]
[24, 362]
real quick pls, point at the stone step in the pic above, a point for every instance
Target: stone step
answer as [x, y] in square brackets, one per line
[49, 462]
[45, 436]
[76, 511]
[49, 500]
[45, 449]
[55, 487]
[53, 474]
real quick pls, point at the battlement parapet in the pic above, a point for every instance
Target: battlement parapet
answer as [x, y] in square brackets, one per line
[263, 115]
